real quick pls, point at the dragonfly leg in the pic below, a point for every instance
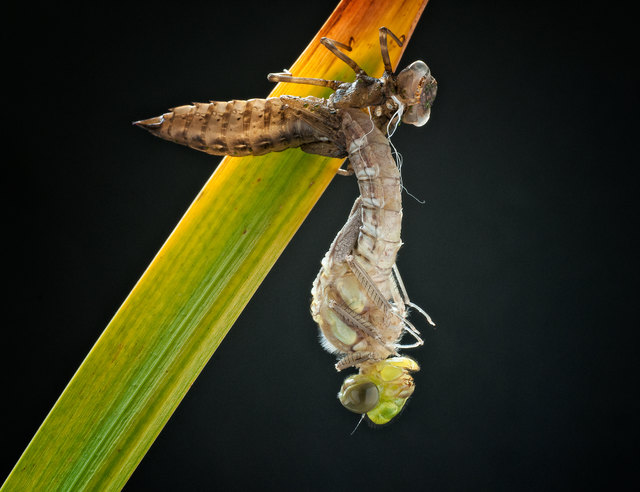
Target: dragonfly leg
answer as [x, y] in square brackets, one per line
[346, 172]
[346, 239]
[383, 32]
[356, 321]
[400, 284]
[369, 285]
[327, 149]
[354, 359]
[287, 77]
[333, 46]
[379, 300]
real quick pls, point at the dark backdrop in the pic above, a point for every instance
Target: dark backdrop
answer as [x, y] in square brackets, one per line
[522, 253]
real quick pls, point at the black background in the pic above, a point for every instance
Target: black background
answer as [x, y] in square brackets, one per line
[523, 252]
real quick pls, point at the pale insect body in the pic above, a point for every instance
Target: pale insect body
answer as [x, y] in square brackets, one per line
[359, 301]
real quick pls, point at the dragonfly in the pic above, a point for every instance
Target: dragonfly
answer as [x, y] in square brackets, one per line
[359, 301]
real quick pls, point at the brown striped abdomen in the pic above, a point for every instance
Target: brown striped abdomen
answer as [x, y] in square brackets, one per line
[239, 128]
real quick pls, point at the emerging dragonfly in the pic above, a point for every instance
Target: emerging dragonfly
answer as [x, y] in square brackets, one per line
[359, 301]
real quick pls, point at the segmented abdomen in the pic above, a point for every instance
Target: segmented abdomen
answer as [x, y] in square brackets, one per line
[353, 315]
[238, 128]
[380, 191]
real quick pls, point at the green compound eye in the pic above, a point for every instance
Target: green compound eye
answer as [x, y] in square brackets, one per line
[360, 397]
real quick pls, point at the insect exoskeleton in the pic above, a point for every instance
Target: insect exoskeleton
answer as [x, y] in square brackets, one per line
[359, 301]
[417, 90]
[380, 390]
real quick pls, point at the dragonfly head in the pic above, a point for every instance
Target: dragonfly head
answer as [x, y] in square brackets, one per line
[380, 390]
[417, 90]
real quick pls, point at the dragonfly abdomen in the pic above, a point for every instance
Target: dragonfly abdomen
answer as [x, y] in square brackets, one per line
[236, 128]
[380, 191]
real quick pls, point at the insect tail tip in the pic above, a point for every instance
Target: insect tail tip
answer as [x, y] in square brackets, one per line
[150, 123]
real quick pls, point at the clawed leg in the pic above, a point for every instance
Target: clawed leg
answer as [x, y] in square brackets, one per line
[346, 172]
[383, 32]
[354, 320]
[346, 239]
[405, 296]
[369, 285]
[354, 359]
[334, 46]
[381, 301]
[287, 77]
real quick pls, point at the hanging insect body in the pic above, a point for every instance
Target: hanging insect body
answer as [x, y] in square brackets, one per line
[359, 301]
